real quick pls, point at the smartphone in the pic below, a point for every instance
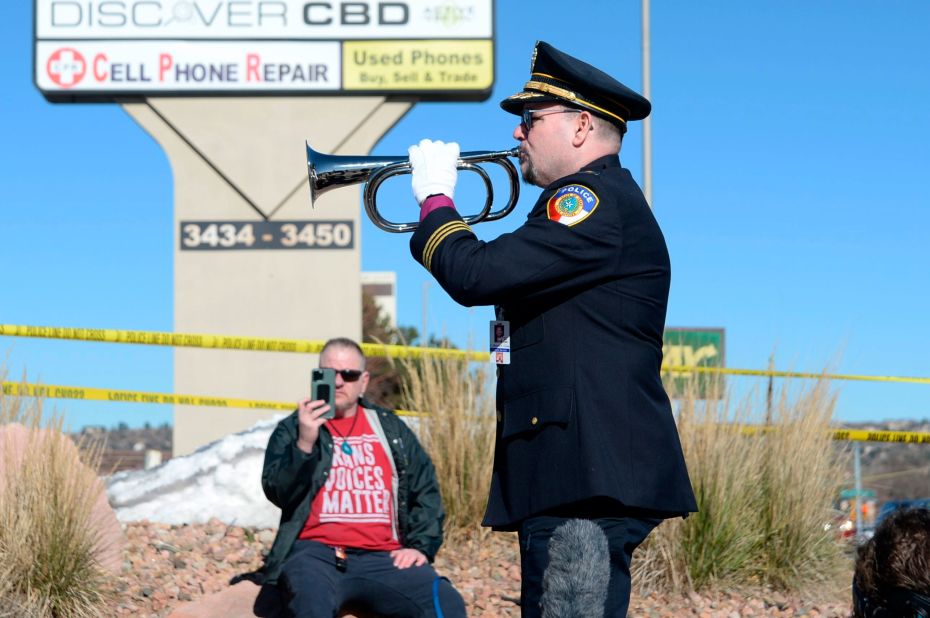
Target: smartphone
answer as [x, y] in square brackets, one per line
[323, 386]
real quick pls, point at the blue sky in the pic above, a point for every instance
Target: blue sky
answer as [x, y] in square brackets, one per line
[791, 144]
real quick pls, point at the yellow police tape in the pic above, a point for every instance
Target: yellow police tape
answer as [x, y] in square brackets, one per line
[794, 374]
[301, 346]
[51, 391]
[865, 435]
[189, 340]
[855, 435]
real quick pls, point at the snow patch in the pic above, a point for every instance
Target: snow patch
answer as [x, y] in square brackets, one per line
[221, 480]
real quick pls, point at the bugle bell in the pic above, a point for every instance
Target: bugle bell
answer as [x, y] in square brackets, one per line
[332, 171]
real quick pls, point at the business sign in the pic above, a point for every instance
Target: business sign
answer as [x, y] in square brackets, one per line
[694, 347]
[244, 235]
[98, 49]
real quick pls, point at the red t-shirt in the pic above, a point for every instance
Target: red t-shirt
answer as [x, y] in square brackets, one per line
[355, 508]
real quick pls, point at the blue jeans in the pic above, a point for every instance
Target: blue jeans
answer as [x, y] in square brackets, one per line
[624, 534]
[313, 587]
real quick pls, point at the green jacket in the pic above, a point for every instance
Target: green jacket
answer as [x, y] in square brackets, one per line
[291, 478]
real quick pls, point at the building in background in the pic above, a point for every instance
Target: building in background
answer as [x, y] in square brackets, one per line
[382, 287]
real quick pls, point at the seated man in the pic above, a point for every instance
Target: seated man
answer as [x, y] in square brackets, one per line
[361, 515]
[892, 577]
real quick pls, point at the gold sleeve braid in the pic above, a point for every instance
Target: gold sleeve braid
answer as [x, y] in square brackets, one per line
[440, 235]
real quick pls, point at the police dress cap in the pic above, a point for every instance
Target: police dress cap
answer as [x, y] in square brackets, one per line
[557, 77]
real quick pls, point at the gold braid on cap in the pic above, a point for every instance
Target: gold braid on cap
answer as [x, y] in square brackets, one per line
[571, 96]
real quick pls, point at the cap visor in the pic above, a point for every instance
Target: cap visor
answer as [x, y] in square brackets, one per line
[514, 103]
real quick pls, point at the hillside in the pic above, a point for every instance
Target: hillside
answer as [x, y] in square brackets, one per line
[125, 447]
[895, 471]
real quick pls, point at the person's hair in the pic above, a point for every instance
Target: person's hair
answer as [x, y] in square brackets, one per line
[345, 343]
[608, 131]
[893, 568]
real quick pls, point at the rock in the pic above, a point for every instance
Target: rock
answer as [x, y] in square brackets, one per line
[232, 602]
[776, 600]
[16, 438]
[484, 593]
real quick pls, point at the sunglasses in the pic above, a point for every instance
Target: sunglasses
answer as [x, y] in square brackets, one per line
[349, 375]
[529, 117]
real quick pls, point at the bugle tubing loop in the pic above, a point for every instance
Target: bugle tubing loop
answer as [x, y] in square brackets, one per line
[328, 172]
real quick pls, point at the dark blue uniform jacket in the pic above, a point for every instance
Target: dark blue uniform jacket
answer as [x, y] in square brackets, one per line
[582, 413]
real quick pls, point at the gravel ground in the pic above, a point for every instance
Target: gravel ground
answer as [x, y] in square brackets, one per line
[165, 566]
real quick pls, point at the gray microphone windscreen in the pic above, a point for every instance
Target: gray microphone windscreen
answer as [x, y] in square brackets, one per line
[575, 582]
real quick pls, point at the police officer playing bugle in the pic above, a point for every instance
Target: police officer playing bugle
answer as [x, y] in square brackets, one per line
[585, 429]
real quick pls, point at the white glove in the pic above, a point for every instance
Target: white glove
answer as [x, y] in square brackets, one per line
[434, 168]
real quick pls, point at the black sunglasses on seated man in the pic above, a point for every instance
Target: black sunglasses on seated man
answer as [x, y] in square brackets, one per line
[349, 375]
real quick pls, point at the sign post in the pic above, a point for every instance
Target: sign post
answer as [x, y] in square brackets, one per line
[231, 89]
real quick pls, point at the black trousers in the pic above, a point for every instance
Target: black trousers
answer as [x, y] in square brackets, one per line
[624, 534]
[313, 587]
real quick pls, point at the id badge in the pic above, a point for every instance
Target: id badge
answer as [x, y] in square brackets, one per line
[500, 342]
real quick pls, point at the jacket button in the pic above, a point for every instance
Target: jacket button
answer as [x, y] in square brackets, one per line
[534, 420]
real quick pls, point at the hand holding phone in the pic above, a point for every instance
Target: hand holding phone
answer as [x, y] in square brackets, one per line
[309, 416]
[323, 387]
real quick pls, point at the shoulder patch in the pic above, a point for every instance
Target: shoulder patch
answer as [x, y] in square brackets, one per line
[572, 204]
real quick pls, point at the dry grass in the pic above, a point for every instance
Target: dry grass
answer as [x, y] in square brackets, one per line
[764, 497]
[47, 545]
[457, 432]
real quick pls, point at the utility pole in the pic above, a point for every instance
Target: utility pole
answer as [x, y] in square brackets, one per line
[857, 471]
[647, 122]
[424, 311]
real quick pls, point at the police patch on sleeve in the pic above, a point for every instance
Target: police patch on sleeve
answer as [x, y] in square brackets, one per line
[572, 204]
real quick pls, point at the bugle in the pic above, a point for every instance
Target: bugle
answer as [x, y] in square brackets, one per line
[332, 171]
